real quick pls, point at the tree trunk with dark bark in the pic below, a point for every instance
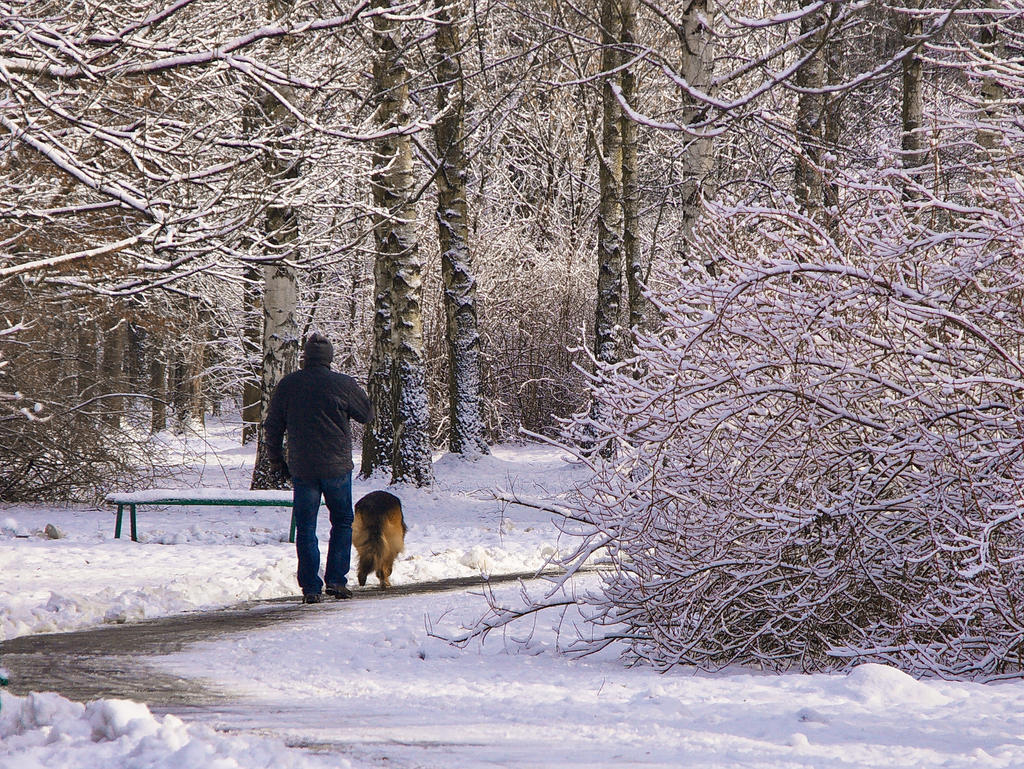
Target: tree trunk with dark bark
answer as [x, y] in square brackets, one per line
[635, 270]
[993, 92]
[609, 215]
[394, 194]
[252, 345]
[466, 429]
[112, 372]
[915, 155]
[157, 384]
[810, 80]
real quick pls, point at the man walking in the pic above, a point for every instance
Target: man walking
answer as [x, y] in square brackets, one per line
[314, 406]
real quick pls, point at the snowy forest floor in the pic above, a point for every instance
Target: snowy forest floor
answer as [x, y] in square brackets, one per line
[363, 683]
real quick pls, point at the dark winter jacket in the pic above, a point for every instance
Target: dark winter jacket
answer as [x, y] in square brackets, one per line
[314, 406]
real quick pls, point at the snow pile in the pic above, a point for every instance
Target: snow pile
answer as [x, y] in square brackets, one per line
[11, 528]
[58, 585]
[46, 730]
[882, 686]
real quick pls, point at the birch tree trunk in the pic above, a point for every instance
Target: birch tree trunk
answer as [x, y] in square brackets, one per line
[280, 296]
[636, 273]
[280, 350]
[466, 429]
[379, 435]
[394, 190]
[252, 344]
[280, 281]
[915, 156]
[609, 216]
[696, 67]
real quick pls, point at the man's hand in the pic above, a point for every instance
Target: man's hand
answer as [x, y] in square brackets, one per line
[280, 467]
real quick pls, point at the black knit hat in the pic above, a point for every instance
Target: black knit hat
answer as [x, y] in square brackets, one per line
[318, 351]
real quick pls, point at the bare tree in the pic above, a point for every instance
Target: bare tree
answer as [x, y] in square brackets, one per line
[280, 356]
[252, 339]
[809, 83]
[466, 430]
[609, 216]
[282, 165]
[136, 156]
[135, 177]
[394, 192]
[632, 259]
[990, 49]
[913, 142]
[379, 436]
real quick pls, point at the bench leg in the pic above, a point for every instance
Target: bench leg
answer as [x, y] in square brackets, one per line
[291, 534]
[135, 535]
[117, 524]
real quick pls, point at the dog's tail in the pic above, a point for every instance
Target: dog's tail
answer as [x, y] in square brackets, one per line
[379, 511]
[375, 547]
[378, 534]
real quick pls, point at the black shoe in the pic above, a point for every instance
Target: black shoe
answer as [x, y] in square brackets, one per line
[338, 591]
[312, 597]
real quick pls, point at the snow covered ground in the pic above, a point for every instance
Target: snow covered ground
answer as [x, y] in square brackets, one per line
[206, 557]
[361, 683]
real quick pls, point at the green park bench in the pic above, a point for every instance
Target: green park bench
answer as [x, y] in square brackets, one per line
[194, 497]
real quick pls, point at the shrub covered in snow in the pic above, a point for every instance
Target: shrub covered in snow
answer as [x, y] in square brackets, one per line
[818, 457]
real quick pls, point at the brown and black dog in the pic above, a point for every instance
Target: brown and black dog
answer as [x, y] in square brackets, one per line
[378, 533]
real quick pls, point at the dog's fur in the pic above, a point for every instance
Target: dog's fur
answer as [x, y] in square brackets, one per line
[378, 533]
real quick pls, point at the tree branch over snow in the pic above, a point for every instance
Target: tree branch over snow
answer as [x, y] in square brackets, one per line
[56, 261]
[129, 134]
[221, 52]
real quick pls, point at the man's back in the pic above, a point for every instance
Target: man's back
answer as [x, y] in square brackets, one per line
[314, 405]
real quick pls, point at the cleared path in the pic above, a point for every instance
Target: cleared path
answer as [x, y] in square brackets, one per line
[110, 661]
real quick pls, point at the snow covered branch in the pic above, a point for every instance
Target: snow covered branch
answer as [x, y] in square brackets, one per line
[822, 463]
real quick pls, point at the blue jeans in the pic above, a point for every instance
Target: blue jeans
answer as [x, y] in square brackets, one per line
[337, 493]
